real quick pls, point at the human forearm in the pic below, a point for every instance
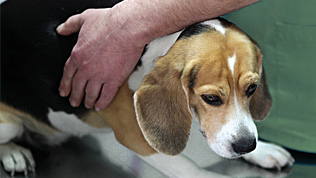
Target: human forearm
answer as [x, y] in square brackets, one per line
[111, 41]
[155, 18]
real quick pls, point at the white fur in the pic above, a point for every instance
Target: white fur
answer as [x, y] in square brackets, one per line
[10, 131]
[224, 139]
[238, 118]
[16, 159]
[243, 117]
[268, 155]
[170, 166]
[216, 24]
[56, 138]
[155, 49]
[71, 124]
[231, 63]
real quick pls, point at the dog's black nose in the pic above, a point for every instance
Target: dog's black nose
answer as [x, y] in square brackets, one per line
[244, 145]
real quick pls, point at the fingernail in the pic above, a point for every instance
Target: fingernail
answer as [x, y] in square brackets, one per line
[87, 106]
[73, 103]
[62, 93]
[97, 109]
[59, 27]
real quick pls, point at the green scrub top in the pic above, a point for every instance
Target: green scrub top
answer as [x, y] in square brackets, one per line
[286, 33]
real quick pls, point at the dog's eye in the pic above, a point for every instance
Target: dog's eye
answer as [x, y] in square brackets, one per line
[212, 99]
[251, 90]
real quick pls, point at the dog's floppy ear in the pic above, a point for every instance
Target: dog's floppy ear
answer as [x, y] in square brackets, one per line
[261, 101]
[162, 106]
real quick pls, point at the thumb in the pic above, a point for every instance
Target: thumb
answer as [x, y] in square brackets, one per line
[72, 25]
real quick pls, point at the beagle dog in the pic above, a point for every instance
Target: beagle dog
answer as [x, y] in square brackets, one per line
[212, 70]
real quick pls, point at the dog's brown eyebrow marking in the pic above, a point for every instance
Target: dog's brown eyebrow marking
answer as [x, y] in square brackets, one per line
[192, 77]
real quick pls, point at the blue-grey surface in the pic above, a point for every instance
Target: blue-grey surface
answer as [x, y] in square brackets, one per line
[99, 156]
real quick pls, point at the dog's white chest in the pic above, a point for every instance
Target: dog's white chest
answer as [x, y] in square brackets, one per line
[71, 124]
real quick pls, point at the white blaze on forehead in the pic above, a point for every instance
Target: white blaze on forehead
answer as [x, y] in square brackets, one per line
[216, 24]
[231, 64]
[238, 119]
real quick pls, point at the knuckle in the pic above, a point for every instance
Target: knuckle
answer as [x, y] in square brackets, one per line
[69, 21]
[75, 82]
[75, 53]
[87, 12]
[66, 67]
[89, 92]
[67, 76]
[90, 96]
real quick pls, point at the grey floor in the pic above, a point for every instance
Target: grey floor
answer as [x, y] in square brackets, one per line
[99, 156]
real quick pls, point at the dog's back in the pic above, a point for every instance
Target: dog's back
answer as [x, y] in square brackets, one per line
[33, 54]
[32, 59]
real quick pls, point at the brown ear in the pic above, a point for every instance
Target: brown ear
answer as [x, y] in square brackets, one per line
[261, 101]
[162, 107]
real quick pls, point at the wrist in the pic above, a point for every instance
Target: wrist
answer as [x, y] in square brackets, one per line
[135, 28]
[147, 20]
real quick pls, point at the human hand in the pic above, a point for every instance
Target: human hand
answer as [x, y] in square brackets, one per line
[103, 57]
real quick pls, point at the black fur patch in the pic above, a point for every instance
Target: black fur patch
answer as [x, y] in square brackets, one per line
[194, 30]
[33, 54]
[140, 63]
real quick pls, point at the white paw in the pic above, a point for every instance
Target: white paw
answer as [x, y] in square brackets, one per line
[268, 155]
[16, 159]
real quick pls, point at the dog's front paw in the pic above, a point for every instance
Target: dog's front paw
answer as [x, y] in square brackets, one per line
[268, 155]
[16, 159]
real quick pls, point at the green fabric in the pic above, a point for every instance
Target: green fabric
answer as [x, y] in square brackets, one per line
[286, 33]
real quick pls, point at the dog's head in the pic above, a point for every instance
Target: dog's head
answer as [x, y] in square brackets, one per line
[216, 69]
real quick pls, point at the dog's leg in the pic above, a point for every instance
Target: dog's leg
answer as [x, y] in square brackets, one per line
[120, 116]
[16, 159]
[268, 155]
[178, 166]
[13, 157]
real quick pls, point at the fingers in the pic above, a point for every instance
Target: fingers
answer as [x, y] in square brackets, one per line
[72, 25]
[92, 93]
[76, 83]
[77, 92]
[70, 70]
[107, 94]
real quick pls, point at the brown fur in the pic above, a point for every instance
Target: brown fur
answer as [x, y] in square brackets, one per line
[162, 106]
[162, 100]
[120, 116]
[192, 67]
